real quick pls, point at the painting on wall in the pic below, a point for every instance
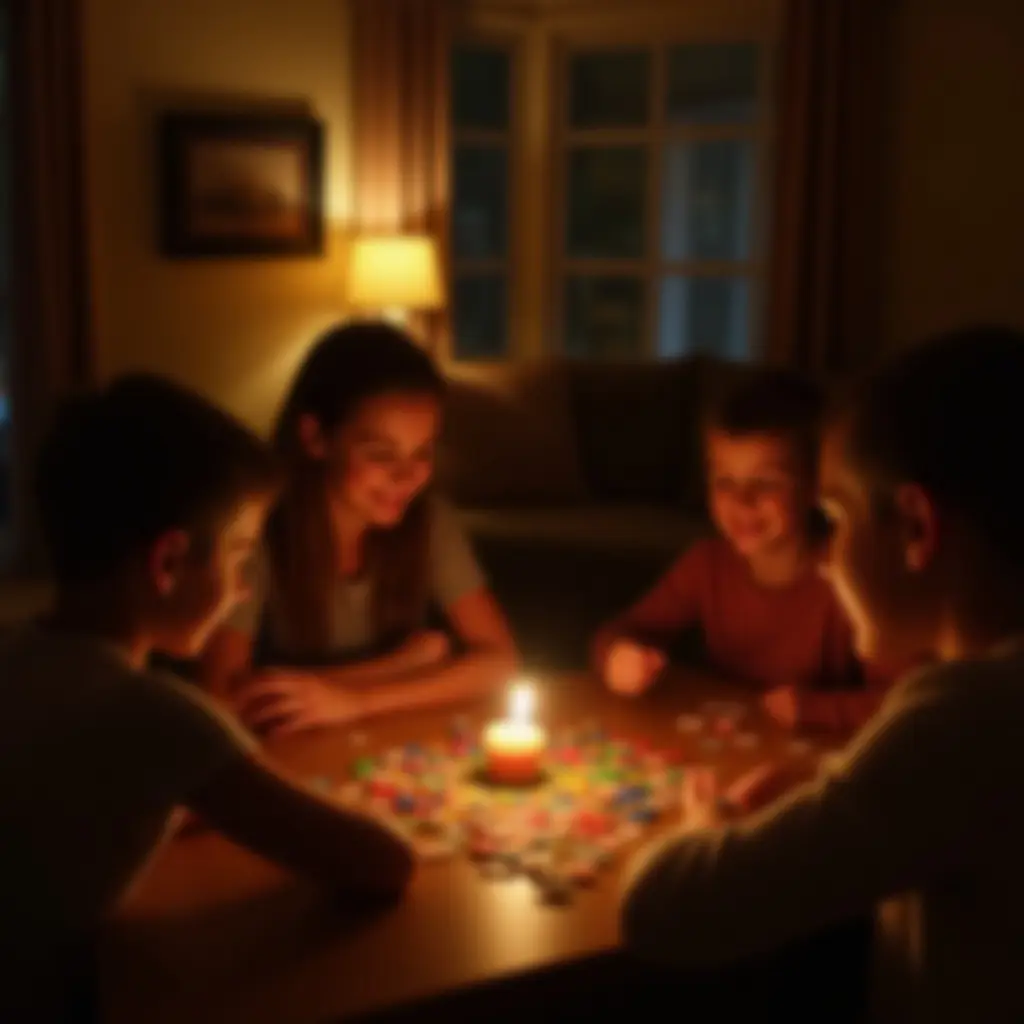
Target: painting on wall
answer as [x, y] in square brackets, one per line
[240, 185]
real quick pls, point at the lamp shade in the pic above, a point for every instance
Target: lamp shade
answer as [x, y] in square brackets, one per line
[395, 271]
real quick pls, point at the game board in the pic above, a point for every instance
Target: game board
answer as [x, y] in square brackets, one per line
[597, 796]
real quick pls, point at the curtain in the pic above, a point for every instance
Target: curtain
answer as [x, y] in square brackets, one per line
[401, 124]
[51, 344]
[823, 288]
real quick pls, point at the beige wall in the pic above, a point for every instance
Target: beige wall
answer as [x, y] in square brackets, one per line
[953, 213]
[954, 232]
[234, 329]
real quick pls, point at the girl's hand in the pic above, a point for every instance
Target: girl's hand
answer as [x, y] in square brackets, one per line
[425, 648]
[282, 702]
[631, 668]
[783, 705]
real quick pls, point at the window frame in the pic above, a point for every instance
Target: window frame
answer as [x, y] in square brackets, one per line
[510, 141]
[652, 268]
[538, 34]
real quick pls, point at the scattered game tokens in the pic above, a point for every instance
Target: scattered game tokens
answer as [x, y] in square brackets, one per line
[600, 795]
[689, 723]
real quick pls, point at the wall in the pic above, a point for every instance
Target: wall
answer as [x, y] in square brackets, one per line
[234, 329]
[954, 223]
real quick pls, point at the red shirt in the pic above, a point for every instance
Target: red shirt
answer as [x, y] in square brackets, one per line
[795, 635]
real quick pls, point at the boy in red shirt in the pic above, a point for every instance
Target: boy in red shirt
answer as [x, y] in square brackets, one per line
[767, 616]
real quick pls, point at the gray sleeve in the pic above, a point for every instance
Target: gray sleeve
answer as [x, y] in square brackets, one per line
[907, 802]
[247, 616]
[184, 739]
[454, 568]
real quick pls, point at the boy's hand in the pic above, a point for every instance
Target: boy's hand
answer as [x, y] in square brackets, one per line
[631, 668]
[285, 702]
[784, 706]
[760, 786]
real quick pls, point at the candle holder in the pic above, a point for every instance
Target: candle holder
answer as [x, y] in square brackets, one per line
[514, 747]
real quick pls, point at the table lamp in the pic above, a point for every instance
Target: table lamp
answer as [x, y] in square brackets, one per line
[393, 275]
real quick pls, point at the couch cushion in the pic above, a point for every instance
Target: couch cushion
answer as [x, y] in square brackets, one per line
[606, 528]
[510, 439]
[634, 421]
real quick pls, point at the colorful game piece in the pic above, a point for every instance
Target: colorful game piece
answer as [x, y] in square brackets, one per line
[689, 723]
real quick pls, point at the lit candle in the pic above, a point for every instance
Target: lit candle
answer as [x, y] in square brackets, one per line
[515, 745]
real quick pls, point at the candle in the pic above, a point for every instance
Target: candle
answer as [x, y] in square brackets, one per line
[515, 745]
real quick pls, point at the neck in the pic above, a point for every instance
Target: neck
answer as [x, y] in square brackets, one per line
[782, 563]
[348, 529]
[101, 611]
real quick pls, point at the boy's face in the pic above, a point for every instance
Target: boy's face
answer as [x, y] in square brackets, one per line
[198, 587]
[758, 495]
[880, 560]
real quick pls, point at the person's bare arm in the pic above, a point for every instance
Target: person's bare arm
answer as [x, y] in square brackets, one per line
[489, 660]
[260, 808]
[669, 607]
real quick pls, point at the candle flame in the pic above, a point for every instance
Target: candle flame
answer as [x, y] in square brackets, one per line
[521, 702]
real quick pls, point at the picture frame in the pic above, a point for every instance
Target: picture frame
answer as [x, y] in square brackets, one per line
[236, 185]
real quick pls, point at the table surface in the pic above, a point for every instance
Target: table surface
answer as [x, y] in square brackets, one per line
[213, 933]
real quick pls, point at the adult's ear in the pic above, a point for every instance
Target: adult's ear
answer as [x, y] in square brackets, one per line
[918, 524]
[167, 559]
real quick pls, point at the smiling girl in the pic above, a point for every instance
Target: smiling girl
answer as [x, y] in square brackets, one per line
[359, 552]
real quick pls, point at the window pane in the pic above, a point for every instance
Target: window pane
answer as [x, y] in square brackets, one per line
[480, 317]
[604, 316]
[704, 314]
[707, 200]
[480, 88]
[607, 190]
[713, 83]
[610, 89]
[480, 210]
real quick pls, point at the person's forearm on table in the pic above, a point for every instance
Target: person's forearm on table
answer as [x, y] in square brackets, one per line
[472, 675]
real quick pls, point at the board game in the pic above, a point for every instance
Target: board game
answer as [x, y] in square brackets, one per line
[597, 795]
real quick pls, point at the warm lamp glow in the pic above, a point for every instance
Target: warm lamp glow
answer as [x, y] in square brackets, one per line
[395, 272]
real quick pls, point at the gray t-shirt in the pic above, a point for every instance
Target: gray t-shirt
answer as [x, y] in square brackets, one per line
[454, 572]
[94, 759]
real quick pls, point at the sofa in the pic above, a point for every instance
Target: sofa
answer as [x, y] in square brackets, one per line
[578, 483]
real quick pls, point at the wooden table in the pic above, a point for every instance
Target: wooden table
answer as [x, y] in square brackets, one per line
[215, 934]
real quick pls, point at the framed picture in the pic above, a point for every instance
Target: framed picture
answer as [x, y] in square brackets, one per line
[240, 185]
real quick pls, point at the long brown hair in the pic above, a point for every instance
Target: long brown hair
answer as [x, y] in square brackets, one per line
[345, 367]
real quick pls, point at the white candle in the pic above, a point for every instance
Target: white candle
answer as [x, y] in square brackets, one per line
[514, 746]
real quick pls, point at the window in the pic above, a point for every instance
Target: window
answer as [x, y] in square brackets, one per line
[658, 157]
[481, 169]
[607, 199]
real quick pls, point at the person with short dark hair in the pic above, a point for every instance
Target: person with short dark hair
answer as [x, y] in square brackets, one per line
[150, 502]
[767, 617]
[919, 816]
